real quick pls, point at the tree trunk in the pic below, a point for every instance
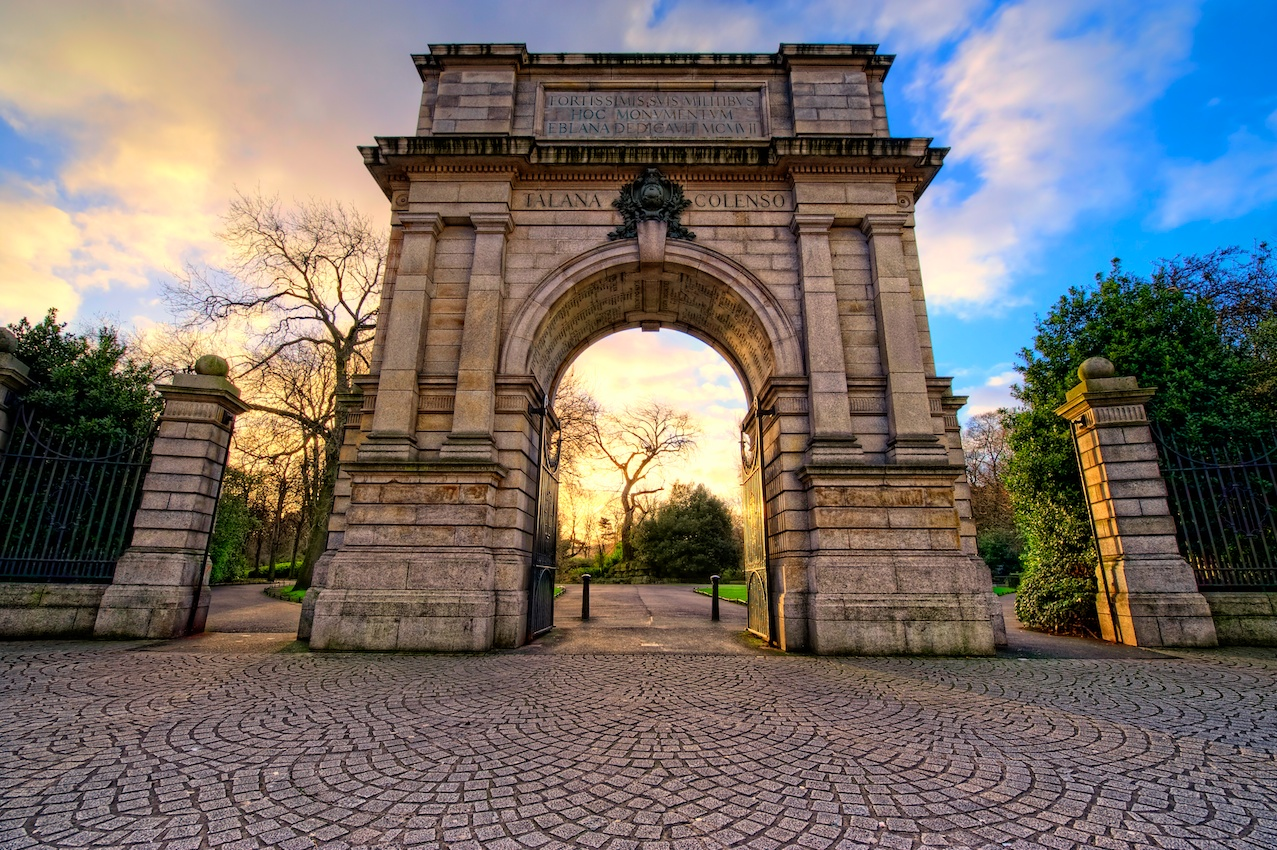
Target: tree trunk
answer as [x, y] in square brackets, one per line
[317, 542]
[257, 553]
[281, 493]
[297, 542]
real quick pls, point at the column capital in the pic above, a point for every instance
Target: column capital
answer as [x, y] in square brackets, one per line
[883, 224]
[428, 222]
[1104, 401]
[811, 223]
[200, 389]
[499, 222]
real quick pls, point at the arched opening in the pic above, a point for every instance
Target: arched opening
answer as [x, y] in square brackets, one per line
[694, 291]
[680, 509]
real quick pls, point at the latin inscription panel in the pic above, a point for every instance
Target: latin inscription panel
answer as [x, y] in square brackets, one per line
[652, 114]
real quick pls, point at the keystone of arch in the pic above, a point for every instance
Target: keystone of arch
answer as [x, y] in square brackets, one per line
[624, 256]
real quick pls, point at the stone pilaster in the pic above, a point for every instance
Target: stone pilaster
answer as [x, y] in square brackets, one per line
[157, 589]
[912, 437]
[1147, 593]
[394, 424]
[832, 439]
[473, 414]
[13, 380]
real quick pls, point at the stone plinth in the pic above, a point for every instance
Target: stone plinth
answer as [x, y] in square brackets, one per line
[156, 592]
[1147, 592]
[1244, 618]
[888, 573]
[417, 569]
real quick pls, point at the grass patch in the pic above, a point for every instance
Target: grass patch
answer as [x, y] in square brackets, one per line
[559, 590]
[288, 594]
[730, 592]
[1003, 591]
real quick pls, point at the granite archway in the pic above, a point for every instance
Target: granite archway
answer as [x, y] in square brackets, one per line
[535, 210]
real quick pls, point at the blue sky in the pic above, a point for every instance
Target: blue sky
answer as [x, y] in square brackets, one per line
[1080, 131]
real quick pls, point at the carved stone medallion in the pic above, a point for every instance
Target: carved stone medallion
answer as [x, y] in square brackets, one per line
[652, 197]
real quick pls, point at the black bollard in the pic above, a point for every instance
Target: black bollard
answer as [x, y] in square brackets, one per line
[585, 596]
[713, 607]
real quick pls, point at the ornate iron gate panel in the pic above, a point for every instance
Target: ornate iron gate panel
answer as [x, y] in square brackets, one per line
[1225, 509]
[67, 505]
[755, 554]
[545, 545]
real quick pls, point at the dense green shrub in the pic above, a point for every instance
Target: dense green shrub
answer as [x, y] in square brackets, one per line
[1057, 588]
[85, 386]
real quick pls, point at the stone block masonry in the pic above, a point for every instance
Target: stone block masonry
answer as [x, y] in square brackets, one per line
[1147, 593]
[793, 257]
[160, 583]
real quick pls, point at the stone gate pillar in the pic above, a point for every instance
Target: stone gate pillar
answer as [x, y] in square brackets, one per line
[160, 580]
[13, 380]
[1147, 593]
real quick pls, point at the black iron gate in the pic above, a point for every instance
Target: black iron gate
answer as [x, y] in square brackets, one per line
[757, 583]
[67, 503]
[545, 545]
[1224, 500]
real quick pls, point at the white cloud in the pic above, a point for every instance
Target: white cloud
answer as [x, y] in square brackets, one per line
[1037, 103]
[36, 241]
[993, 394]
[1242, 179]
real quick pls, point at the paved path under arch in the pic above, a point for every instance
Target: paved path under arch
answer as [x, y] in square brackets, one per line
[190, 744]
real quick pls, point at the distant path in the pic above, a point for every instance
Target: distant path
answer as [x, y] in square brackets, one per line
[245, 608]
[651, 618]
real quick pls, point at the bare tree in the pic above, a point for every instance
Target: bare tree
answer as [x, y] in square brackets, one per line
[303, 283]
[636, 442]
[1240, 286]
[984, 441]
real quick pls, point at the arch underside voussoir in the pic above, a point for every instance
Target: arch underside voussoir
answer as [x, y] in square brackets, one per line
[694, 291]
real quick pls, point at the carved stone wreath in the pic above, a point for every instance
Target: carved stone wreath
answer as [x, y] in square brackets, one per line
[652, 197]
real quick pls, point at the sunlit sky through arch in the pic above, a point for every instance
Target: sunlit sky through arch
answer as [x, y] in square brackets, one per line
[679, 370]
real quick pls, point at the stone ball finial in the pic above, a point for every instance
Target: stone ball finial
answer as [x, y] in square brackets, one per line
[211, 364]
[8, 342]
[1096, 367]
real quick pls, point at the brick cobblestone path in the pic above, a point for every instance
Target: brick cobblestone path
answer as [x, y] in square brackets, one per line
[120, 745]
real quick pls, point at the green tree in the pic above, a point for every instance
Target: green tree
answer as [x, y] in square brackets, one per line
[85, 386]
[232, 527]
[689, 537]
[984, 443]
[1167, 338]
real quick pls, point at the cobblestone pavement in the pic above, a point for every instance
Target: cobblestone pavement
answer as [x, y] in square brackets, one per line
[117, 745]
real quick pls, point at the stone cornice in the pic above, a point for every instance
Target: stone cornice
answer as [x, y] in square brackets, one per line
[442, 56]
[909, 160]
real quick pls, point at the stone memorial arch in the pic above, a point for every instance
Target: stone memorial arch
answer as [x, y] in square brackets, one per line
[755, 201]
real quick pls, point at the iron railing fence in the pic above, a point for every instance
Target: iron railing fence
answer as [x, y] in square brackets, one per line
[1224, 500]
[67, 503]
